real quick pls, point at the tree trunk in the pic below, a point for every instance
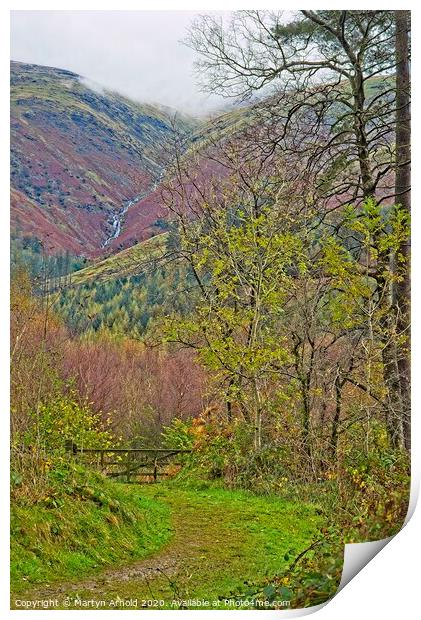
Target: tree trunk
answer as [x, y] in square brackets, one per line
[360, 132]
[403, 198]
[258, 417]
[336, 418]
[306, 419]
[393, 405]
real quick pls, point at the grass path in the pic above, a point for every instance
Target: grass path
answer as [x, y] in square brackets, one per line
[221, 539]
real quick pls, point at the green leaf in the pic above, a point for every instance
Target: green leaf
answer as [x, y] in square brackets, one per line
[285, 593]
[269, 592]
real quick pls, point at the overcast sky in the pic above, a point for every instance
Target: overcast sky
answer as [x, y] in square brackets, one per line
[137, 53]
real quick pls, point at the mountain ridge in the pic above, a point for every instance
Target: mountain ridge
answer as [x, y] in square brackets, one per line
[79, 156]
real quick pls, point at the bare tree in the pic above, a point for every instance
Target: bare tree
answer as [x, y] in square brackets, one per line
[331, 95]
[332, 106]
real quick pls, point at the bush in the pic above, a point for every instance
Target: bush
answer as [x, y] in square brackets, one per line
[375, 489]
[311, 578]
[224, 452]
[178, 435]
[38, 453]
[65, 418]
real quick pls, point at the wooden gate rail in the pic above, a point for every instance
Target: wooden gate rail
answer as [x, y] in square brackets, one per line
[172, 450]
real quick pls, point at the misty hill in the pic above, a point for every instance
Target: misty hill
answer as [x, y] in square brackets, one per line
[80, 158]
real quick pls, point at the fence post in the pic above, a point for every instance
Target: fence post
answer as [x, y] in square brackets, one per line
[70, 446]
[128, 467]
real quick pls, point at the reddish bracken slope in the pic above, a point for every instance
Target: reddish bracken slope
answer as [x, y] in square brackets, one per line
[79, 155]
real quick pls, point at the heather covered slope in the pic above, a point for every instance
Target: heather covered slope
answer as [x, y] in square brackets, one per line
[86, 164]
[80, 158]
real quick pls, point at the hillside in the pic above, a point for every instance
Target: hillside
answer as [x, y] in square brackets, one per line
[86, 163]
[126, 290]
[128, 262]
[81, 157]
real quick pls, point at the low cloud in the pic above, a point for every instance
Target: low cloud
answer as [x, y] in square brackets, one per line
[97, 88]
[137, 53]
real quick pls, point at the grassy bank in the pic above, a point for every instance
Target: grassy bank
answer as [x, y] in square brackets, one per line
[86, 524]
[224, 542]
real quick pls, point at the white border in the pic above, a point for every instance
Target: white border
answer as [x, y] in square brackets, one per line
[388, 586]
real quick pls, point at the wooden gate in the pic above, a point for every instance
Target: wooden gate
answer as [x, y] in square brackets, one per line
[127, 463]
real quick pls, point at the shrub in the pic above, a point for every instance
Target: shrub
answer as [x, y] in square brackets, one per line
[65, 418]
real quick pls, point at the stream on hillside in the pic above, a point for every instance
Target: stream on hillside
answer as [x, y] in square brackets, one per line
[117, 216]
